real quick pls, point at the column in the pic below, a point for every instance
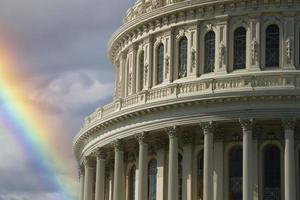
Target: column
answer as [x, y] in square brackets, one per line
[161, 151]
[248, 174]
[208, 129]
[81, 180]
[289, 160]
[118, 170]
[143, 167]
[88, 178]
[218, 166]
[187, 140]
[173, 164]
[100, 175]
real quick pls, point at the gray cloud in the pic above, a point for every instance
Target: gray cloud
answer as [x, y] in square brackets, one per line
[61, 47]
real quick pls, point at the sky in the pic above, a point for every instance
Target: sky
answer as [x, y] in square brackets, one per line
[60, 70]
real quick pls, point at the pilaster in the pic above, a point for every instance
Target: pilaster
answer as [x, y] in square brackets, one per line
[254, 50]
[221, 62]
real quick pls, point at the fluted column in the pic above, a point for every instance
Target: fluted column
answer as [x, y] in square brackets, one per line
[100, 175]
[248, 167]
[88, 178]
[118, 170]
[143, 167]
[289, 160]
[173, 164]
[208, 129]
[81, 180]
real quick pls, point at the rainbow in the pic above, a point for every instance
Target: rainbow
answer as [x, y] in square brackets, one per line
[32, 133]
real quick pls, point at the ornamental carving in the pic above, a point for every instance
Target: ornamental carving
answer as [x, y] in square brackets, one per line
[193, 59]
[172, 131]
[117, 145]
[88, 162]
[130, 81]
[254, 52]
[289, 124]
[208, 127]
[100, 153]
[288, 49]
[222, 52]
[141, 137]
[167, 62]
[146, 69]
[247, 124]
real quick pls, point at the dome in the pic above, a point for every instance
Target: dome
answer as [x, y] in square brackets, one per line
[206, 105]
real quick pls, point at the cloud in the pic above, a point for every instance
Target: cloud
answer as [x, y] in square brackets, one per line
[61, 48]
[71, 90]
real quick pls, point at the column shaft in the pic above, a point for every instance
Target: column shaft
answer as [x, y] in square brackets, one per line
[143, 169]
[118, 173]
[247, 159]
[173, 167]
[208, 165]
[88, 181]
[81, 179]
[100, 179]
[289, 162]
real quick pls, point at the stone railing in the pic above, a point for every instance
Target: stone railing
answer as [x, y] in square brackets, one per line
[222, 84]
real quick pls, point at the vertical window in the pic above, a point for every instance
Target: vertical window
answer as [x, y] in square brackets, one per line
[272, 46]
[180, 177]
[132, 183]
[239, 48]
[209, 56]
[141, 63]
[160, 64]
[236, 173]
[152, 180]
[183, 44]
[200, 175]
[272, 173]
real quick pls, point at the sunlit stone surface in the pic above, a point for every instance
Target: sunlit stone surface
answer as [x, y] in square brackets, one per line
[206, 105]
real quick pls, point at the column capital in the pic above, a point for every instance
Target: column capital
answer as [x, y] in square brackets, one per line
[172, 131]
[117, 145]
[141, 137]
[88, 162]
[289, 123]
[100, 153]
[208, 127]
[81, 170]
[247, 124]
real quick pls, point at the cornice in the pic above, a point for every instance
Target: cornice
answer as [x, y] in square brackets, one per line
[84, 137]
[185, 12]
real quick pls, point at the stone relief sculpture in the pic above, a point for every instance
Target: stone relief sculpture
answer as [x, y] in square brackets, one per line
[288, 49]
[254, 52]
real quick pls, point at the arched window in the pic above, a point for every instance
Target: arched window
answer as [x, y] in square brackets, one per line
[160, 63]
[141, 64]
[200, 175]
[239, 56]
[272, 46]
[152, 180]
[182, 69]
[180, 177]
[236, 173]
[132, 183]
[272, 173]
[209, 49]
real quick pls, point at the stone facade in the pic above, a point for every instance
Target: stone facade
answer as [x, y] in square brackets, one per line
[206, 105]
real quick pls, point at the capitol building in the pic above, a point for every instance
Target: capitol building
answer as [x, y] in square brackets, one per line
[206, 105]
